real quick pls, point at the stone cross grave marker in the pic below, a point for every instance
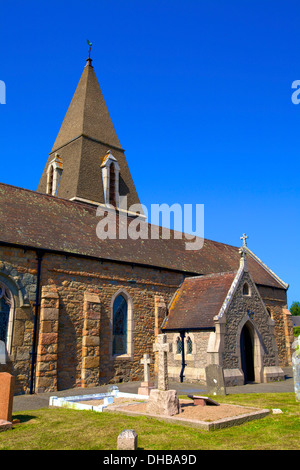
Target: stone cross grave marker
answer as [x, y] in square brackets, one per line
[146, 361]
[162, 347]
[146, 386]
[163, 401]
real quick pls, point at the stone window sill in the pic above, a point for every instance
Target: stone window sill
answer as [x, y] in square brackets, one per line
[124, 357]
[188, 357]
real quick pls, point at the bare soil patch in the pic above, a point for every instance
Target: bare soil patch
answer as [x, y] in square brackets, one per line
[117, 401]
[196, 412]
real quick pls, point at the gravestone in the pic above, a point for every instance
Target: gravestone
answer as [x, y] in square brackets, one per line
[127, 440]
[163, 401]
[215, 379]
[296, 367]
[2, 353]
[146, 386]
[7, 383]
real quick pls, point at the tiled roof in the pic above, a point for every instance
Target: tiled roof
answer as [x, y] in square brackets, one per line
[198, 300]
[33, 219]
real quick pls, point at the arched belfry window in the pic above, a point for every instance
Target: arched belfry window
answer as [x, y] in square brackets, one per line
[120, 314]
[110, 177]
[54, 173]
[6, 315]
[112, 185]
[50, 180]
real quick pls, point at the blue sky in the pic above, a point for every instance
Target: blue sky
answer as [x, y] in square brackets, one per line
[200, 96]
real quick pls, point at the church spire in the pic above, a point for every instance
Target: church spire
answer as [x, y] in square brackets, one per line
[86, 135]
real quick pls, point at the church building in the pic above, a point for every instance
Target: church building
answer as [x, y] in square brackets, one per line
[79, 311]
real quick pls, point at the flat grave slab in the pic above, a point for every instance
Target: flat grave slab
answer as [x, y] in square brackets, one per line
[208, 418]
[203, 401]
[95, 402]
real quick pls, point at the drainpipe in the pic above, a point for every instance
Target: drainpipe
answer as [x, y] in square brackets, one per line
[35, 327]
[183, 364]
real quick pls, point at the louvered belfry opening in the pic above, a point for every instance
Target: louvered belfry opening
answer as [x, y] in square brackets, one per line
[112, 185]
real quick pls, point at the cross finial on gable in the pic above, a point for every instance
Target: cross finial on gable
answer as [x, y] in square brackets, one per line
[243, 252]
[244, 238]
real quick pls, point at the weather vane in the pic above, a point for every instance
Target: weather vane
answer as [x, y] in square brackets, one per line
[90, 44]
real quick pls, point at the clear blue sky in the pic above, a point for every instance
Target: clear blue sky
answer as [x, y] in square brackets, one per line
[199, 93]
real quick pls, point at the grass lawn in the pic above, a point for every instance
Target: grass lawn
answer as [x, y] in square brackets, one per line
[62, 429]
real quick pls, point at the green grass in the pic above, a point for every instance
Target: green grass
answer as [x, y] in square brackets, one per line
[63, 429]
[296, 330]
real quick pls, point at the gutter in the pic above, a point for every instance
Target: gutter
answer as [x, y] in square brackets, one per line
[183, 364]
[40, 255]
[97, 258]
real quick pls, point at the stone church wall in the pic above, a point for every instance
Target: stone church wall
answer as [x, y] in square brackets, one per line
[73, 278]
[244, 308]
[195, 361]
[80, 358]
[276, 302]
[18, 270]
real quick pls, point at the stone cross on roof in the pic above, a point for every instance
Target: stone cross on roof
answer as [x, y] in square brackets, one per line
[243, 251]
[162, 347]
[146, 361]
[244, 238]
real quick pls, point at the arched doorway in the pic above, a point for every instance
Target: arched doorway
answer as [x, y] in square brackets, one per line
[247, 354]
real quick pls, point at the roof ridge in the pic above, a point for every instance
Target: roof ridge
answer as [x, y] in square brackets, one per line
[258, 260]
[206, 276]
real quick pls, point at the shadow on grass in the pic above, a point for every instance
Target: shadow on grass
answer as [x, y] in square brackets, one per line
[23, 418]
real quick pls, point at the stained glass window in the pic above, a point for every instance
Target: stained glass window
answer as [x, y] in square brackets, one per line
[189, 344]
[179, 346]
[120, 325]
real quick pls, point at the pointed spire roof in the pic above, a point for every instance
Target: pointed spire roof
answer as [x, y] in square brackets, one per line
[87, 114]
[86, 136]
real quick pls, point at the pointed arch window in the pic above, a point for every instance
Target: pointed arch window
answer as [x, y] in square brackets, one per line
[189, 345]
[120, 314]
[246, 289]
[6, 315]
[178, 345]
[122, 326]
[54, 173]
